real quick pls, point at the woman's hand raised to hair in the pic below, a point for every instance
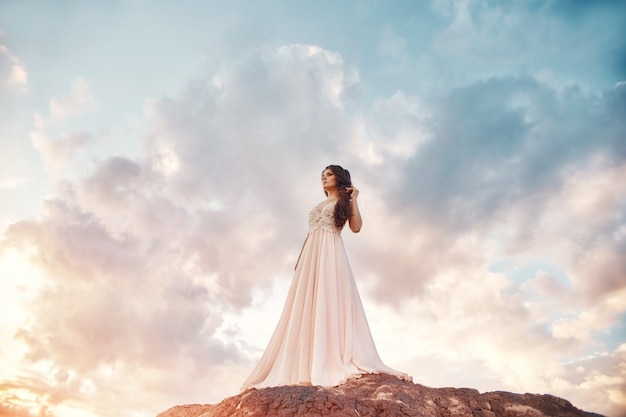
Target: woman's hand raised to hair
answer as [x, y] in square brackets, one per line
[354, 193]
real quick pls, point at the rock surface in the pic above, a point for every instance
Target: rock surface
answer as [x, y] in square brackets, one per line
[380, 395]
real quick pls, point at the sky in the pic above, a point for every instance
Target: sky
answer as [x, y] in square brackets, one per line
[158, 161]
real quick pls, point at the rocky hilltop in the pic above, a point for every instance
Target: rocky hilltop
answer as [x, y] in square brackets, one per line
[380, 395]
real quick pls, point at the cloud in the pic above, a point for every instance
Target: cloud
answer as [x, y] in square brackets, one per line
[79, 101]
[501, 139]
[391, 45]
[150, 261]
[495, 171]
[570, 42]
[13, 76]
[57, 139]
[143, 256]
[13, 182]
[595, 374]
[118, 314]
[60, 152]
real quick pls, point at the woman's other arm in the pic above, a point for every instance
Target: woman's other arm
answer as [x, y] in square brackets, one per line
[355, 221]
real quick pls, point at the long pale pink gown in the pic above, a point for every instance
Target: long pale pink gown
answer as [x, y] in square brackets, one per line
[322, 337]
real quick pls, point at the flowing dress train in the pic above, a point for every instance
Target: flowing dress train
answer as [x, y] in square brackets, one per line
[322, 337]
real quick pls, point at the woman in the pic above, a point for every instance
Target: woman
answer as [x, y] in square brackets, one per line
[322, 337]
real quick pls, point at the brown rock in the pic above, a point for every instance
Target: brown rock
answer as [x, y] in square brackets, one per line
[380, 396]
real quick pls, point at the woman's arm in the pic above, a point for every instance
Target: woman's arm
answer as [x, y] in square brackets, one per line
[355, 221]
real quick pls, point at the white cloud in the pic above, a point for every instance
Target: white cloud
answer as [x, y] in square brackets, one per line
[80, 101]
[19, 77]
[12, 73]
[13, 182]
[59, 153]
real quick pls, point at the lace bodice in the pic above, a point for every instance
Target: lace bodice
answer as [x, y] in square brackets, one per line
[322, 216]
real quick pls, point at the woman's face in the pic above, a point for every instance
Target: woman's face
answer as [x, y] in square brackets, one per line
[329, 181]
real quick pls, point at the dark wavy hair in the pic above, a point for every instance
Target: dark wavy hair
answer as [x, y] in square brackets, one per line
[342, 208]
